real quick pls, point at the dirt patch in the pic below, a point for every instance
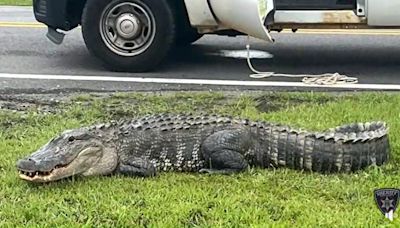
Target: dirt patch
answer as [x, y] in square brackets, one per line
[26, 102]
[121, 105]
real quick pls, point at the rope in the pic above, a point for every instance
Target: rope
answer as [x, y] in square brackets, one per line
[316, 79]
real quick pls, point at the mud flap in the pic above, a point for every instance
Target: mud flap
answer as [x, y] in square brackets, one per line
[246, 16]
[54, 36]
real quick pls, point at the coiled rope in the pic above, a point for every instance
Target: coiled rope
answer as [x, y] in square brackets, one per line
[316, 79]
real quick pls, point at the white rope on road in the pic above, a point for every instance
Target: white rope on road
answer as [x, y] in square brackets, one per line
[316, 79]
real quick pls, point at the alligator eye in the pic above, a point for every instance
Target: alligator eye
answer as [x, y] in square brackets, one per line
[71, 138]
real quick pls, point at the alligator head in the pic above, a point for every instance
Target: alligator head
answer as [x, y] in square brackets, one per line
[75, 152]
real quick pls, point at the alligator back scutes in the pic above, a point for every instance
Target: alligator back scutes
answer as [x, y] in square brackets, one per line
[353, 133]
[347, 148]
[346, 133]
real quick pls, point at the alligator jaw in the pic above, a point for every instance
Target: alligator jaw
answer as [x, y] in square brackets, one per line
[42, 176]
[82, 162]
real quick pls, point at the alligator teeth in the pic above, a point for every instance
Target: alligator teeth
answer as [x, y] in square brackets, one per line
[29, 174]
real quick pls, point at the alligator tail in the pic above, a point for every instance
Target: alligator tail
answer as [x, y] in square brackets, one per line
[343, 149]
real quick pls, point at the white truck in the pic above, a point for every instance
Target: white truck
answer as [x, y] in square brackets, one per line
[136, 35]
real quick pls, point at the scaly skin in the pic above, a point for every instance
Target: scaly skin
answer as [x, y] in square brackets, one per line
[209, 144]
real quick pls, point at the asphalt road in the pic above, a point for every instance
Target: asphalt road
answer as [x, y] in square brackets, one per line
[24, 49]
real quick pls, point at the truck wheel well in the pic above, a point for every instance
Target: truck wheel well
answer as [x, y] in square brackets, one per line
[74, 11]
[181, 17]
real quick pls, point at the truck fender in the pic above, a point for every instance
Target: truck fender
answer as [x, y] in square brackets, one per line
[246, 16]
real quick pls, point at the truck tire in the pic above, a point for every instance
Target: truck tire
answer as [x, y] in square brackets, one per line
[128, 35]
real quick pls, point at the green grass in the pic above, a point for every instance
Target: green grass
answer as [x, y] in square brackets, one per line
[256, 198]
[16, 2]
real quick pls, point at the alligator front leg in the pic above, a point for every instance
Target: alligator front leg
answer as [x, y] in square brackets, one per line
[223, 152]
[139, 167]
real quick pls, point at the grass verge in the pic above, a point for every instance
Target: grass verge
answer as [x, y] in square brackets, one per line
[16, 2]
[256, 198]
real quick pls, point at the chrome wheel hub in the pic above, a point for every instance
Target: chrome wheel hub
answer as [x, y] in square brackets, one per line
[128, 28]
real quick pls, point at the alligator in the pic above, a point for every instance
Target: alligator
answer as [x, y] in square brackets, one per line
[205, 144]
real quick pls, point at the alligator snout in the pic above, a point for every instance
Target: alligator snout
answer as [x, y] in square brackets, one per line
[27, 164]
[32, 165]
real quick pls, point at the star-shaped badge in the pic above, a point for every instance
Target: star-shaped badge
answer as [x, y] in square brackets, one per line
[387, 203]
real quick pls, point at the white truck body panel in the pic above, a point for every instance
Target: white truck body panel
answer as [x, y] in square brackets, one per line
[248, 16]
[317, 17]
[383, 12]
[245, 16]
[200, 14]
[229, 14]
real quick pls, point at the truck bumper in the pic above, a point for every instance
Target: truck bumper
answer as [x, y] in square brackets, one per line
[52, 13]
